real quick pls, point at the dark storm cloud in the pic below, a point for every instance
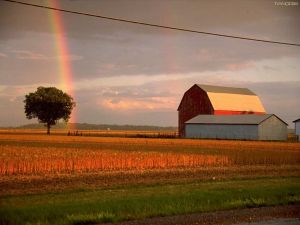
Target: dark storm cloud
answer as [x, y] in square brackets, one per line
[106, 50]
[177, 54]
[22, 71]
[262, 19]
[226, 15]
[148, 56]
[109, 48]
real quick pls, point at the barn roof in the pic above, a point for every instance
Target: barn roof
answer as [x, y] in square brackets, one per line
[250, 119]
[221, 89]
[232, 99]
[296, 120]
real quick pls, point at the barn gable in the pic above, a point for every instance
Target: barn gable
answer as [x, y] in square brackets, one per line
[194, 102]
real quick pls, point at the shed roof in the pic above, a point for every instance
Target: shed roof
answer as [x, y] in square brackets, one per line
[296, 120]
[221, 89]
[231, 119]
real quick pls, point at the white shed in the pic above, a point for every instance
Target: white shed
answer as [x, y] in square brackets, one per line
[244, 127]
[297, 128]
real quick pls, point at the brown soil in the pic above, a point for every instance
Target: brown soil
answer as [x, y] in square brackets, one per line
[15, 185]
[222, 217]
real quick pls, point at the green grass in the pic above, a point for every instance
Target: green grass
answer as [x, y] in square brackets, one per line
[135, 202]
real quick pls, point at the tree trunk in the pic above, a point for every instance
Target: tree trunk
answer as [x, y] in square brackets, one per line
[48, 128]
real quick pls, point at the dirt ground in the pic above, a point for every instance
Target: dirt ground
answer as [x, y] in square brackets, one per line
[16, 185]
[259, 216]
[277, 221]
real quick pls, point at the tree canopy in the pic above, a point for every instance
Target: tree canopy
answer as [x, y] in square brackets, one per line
[48, 105]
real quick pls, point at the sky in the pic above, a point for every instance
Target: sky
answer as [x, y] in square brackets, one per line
[131, 74]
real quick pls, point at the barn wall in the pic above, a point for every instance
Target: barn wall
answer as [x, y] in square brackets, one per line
[214, 131]
[297, 129]
[272, 129]
[194, 102]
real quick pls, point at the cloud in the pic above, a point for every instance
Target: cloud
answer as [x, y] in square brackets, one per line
[147, 104]
[70, 57]
[140, 98]
[237, 67]
[2, 55]
[26, 54]
[23, 54]
[280, 98]
[153, 102]
[18, 92]
[158, 100]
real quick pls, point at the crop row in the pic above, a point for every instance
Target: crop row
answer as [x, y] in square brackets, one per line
[36, 161]
[29, 154]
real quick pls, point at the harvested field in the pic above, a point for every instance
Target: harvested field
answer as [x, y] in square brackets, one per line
[39, 154]
[58, 162]
[36, 160]
[62, 179]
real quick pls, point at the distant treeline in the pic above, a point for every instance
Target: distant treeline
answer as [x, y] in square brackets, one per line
[87, 126]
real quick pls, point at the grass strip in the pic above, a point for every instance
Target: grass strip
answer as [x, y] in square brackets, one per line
[128, 202]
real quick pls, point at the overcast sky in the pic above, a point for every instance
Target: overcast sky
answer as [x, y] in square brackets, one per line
[131, 74]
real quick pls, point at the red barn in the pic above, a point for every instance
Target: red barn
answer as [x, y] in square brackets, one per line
[216, 100]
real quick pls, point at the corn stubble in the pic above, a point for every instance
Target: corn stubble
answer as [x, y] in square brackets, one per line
[34, 160]
[121, 154]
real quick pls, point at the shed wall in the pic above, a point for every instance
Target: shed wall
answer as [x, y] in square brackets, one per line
[297, 129]
[272, 129]
[226, 131]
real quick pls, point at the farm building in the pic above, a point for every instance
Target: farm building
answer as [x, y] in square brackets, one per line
[297, 128]
[245, 127]
[216, 100]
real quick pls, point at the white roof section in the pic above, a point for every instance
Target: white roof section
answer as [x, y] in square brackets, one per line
[236, 102]
[231, 119]
[232, 98]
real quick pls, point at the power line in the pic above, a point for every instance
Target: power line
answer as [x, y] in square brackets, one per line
[155, 25]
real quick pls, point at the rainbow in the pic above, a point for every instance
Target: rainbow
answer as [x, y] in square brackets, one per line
[62, 52]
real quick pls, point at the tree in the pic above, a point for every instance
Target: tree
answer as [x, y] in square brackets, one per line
[49, 105]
